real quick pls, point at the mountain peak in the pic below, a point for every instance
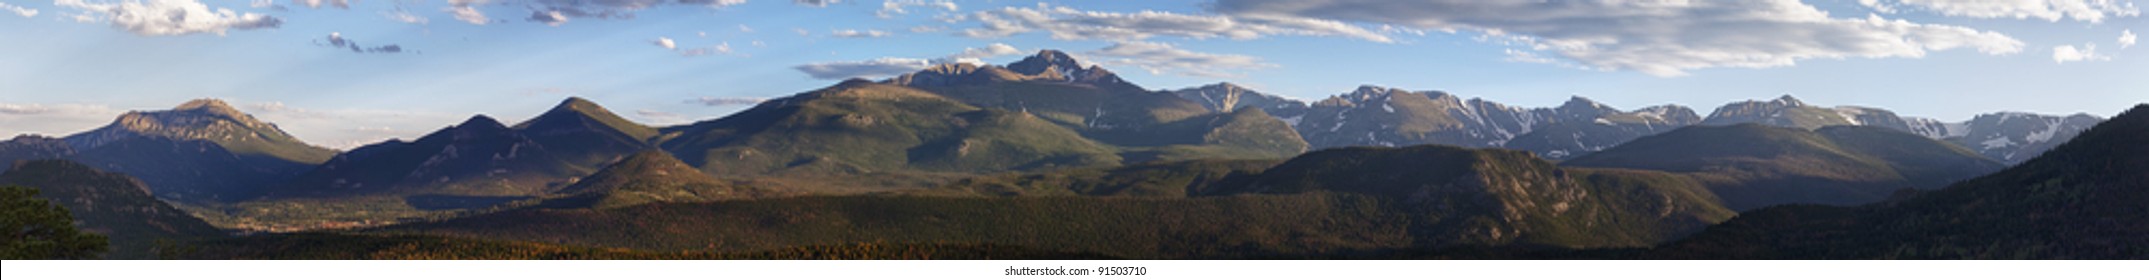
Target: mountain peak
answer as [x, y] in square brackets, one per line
[1788, 100]
[576, 101]
[1052, 55]
[211, 106]
[1579, 102]
[481, 121]
[1046, 60]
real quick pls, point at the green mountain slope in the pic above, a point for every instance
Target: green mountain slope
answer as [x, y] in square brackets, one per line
[1751, 166]
[111, 204]
[860, 127]
[2081, 200]
[650, 177]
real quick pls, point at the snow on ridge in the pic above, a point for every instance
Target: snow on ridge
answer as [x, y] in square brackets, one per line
[2052, 128]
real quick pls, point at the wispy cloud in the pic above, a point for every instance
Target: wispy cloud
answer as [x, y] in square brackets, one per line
[892, 66]
[1162, 58]
[1066, 23]
[1661, 38]
[18, 10]
[726, 101]
[893, 8]
[2049, 10]
[868, 33]
[404, 17]
[336, 39]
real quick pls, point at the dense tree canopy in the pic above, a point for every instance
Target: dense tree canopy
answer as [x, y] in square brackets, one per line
[35, 228]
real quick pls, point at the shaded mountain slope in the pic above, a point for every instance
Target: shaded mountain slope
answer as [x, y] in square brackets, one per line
[112, 204]
[1751, 166]
[2082, 200]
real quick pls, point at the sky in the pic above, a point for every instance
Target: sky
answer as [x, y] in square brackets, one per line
[344, 73]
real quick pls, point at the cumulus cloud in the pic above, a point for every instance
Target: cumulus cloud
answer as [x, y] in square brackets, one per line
[168, 17]
[336, 40]
[18, 10]
[2126, 38]
[726, 101]
[868, 33]
[1066, 23]
[1661, 38]
[816, 3]
[876, 68]
[1162, 58]
[404, 17]
[2068, 53]
[892, 8]
[2049, 10]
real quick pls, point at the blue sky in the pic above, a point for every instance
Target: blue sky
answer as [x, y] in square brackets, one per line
[72, 65]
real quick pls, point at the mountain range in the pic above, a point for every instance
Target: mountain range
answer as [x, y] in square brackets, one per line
[946, 153]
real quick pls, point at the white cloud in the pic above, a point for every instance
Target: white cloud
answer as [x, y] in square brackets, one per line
[816, 3]
[1661, 38]
[892, 66]
[550, 18]
[2126, 38]
[168, 17]
[18, 10]
[744, 28]
[2049, 10]
[2068, 53]
[467, 14]
[726, 101]
[1066, 23]
[1162, 58]
[720, 48]
[892, 8]
[977, 55]
[666, 43]
[868, 33]
[54, 120]
[669, 44]
[404, 17]
[876, 68]
[340, 4]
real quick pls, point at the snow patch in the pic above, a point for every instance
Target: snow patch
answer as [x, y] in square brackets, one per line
[2052, 127]
[1997, 142]
[1603, 121]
